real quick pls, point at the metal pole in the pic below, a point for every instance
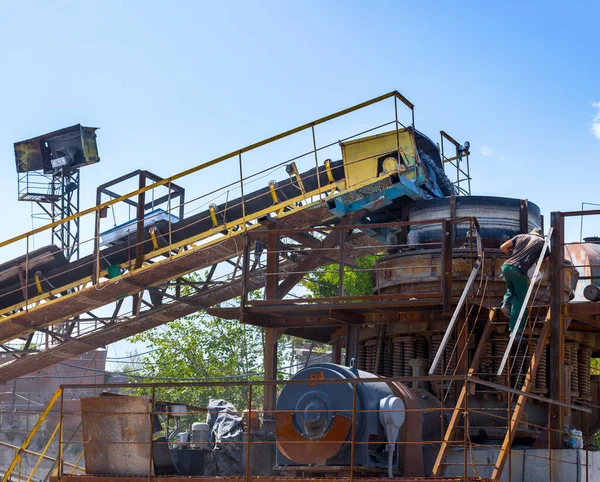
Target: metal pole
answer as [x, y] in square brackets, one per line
[245, 269]
[27, 274]
[509, 418]
[549, 441]
[151, 458]
[397, 132]
[447, 265]
[587, 442]
[556, 350]
[314, 139]
[248, 474]
[342, 261]
[59, 458]
[466, 426]
[468, 174]
[242, 189]
[96, 270]
[170, 223]
[352, 444]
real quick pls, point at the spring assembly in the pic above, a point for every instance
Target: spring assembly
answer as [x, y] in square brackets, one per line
[541, 377]
[388, 358]
[410, 352]
[362, 361]
[436, 341]
[567, 357]
[575, 369]
[450, 357]
[398, 358]
[585, 360]
[422, 347]
[371, 353]
[487, 364]
[500, 342]
[519, 365]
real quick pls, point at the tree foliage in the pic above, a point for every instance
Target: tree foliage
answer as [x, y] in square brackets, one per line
[203, 347]
[200, 346]
[324, 281]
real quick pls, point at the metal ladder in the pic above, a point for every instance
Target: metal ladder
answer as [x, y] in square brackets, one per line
[532, 284]
[521, 403]
[534, 363]
[460, 401]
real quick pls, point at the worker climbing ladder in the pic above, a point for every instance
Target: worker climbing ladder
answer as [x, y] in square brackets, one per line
[521, 403]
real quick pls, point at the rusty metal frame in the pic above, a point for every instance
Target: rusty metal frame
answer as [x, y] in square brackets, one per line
[455, 161]
[349, 473]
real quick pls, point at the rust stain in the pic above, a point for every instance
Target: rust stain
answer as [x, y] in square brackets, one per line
[116, 435]
[304, 451]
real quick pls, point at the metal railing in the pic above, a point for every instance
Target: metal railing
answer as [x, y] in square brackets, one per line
[256, 444]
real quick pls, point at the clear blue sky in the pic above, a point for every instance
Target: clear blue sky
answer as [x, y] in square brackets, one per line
[173, 84]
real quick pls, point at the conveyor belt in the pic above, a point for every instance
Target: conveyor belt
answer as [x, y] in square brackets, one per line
[195, 243]
[12, 294]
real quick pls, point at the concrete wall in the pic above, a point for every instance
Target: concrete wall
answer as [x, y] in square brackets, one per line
[529, 465]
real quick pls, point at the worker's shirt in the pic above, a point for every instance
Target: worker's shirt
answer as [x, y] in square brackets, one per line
[526, 251]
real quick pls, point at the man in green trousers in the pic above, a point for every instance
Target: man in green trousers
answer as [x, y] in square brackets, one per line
[523, 252]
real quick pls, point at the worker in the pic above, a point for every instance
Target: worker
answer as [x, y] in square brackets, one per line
[523, 252]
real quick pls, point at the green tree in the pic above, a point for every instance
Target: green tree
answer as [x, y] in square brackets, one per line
[324, 281]
[207, 349]
[203, 347]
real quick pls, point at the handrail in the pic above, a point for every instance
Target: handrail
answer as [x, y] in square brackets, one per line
[461, 301]
[29, 438]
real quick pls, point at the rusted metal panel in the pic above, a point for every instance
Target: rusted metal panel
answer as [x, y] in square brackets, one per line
[29, 154]
[87, 478]
[585, 259]
[297, 448]
[116, 435]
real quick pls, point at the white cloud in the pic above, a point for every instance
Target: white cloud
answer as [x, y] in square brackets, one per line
[596, 120]
[488, 151]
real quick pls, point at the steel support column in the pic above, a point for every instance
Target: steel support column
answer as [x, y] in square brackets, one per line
[447, 230]
[556, 369]
[272, 335]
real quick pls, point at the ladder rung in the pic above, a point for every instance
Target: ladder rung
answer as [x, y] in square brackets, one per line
[469, 464]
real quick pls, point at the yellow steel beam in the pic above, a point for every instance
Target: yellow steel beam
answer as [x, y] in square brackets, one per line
[228, 227]
[217, 160]
[44, 450]
[187, 242]
[29, 437]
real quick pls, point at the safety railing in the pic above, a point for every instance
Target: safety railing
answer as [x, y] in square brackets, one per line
[361, 250]
[212, 218]
[148, 435]
[570, 309]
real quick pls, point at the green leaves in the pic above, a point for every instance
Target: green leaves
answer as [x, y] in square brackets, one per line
[203, 347]
[324, 281]
[213, 349]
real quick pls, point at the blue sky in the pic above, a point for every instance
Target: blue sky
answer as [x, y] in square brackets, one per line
[173, 84]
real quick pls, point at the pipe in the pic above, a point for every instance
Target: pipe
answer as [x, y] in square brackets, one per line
[391, 462]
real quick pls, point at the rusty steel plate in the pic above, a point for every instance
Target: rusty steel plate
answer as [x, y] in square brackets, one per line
[116, 435]
[91, 478]
[304, 451]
